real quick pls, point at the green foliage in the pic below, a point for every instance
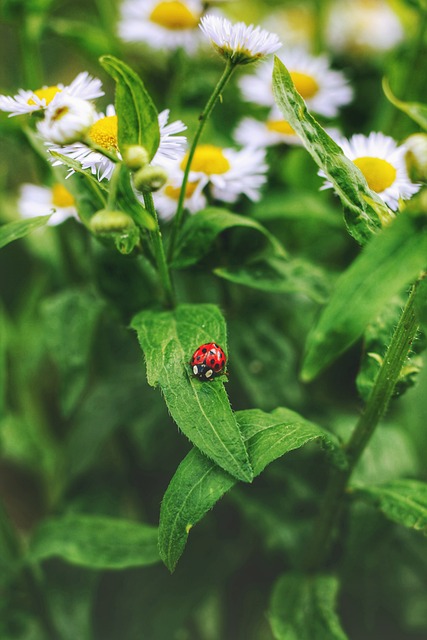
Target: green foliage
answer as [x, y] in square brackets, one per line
[403, 501]
[137, 115]
[19, 229]
[198, 483]
[415, 110]
[390, 261]
[201, 409]
[303, 607]
[95, 542]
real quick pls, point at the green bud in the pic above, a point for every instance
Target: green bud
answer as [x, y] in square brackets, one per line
[150, 178]
[416, 157]
[135, 157]
[106, 222]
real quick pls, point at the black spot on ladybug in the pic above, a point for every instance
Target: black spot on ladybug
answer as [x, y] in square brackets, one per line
[212, 361]
[204, 350]
[216, 367]
[199, 357]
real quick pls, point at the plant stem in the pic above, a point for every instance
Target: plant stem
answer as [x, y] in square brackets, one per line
[32, 581]
[159, 254]
[376, 406]
[229, 68]
[113, 188]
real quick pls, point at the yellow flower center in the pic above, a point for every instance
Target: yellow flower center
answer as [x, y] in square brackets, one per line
[379, 173]
[61, 197]
[104, 133]
[207, 159]
[173, 192]
[306, 86]
[48, 93]
[280, 126]
[174, 15]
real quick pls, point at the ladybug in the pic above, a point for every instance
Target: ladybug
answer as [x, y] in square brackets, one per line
[208, 361]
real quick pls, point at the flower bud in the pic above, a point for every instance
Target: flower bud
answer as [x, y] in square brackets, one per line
[416, 157]
[150, 178]
[67, 119]
[135, 157]
[109, 222]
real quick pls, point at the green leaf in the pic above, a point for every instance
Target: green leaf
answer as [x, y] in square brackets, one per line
[199, 483]
[403, 501]
[366, 209]
[95, 542]
[130, 203]
[137, 115]
[200, 409]
[392, 259]
[19, 229]
[415, 110]
[280, 275]
[298, 206]
[201, 229]
[303, 608]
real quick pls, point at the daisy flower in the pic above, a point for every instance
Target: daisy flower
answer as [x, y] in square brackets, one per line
[274, 130]
[39, 201]
[238, 42]
[382, 162]
[83, 86]
[167, 24]
[104, 133]
[295, 24]
[67, 119]
[228, 173]
[166, 200]
[362, 26]
[323, 89]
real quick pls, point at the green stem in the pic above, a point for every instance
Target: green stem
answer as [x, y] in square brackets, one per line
[376, 406]
[32, 579]
[159, 254]
[176, 225]
[113, 188]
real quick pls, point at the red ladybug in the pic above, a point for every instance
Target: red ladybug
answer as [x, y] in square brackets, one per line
[208, 361]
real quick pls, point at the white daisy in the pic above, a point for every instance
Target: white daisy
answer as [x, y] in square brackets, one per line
[166, 200]
[67, 119]
[382, 162]
[83, 86]
[295, 24]
[39, 201]
[323, 89]
[238, 42]
[104, 133]
[228, 173]
[269, 132]
[362, 26]
[167, 24]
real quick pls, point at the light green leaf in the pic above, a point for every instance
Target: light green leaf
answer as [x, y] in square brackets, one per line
[200, 409]
[403, 501]
[130, 203]
[415, 110]
[366, 209]
[394, 258]
[201, 229]
[280, 275]
[96, 542]
[19, 229]
[303, 608]
[137, 115]
[199, 483]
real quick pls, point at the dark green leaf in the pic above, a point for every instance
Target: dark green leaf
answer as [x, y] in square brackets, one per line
[421, 302]
[280, 275]
[303, 608]
[403, 501]
[201, 229]
[415, 110]
[19, 229]
[137, 115]
[199, 483]
[298, 206]
[201, 409]
[366, 209]
[95, 542]
[392, 259]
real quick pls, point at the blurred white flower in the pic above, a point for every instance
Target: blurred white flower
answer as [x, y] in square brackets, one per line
[167, 24]
[67, 119]
[166, 200]
[104, 133]
[238, 42]
[83, 86]
[362, 26]
[323, 89]
[35, 201]
[266, 133]
[382, 162]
